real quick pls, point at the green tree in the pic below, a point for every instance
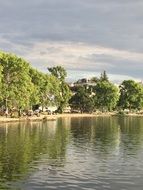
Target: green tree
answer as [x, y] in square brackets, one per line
[16, 82]
[106, 95]
[46, 87]
[64, 92]
[104, 76]
[63, 97]
[1, 68]
[82, 100]
[59, 72]
[131, 95]
[37, 79]
[94, 80]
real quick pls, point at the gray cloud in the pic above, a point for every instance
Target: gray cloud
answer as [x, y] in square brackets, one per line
[106, 23]
[109, 23]
[114, 65]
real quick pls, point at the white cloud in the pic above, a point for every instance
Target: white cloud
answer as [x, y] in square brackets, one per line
[82, 57]
[76, 49]
[78, 55]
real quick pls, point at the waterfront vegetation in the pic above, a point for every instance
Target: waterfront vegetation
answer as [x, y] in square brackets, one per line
[22, 88]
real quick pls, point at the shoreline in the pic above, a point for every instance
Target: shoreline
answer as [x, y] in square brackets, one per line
[64, 115]
[4, 119]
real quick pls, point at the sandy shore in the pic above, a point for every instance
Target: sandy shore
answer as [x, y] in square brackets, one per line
[46, 117]
[54, 117]
[26, 119]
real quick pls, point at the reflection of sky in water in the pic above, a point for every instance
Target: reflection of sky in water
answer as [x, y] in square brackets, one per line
[77, 153]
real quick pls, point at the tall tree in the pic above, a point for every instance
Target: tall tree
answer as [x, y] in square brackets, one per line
[106, 95]
[37, 78]
[46, 88]
[104, 76]
[64, 92]
[131, 95]
[1, 68]
[16, 82]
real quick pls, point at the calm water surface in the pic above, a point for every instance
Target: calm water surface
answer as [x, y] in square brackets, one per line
[72, 153]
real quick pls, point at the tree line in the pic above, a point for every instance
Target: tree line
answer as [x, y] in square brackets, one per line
[22, 87]
[106, 96]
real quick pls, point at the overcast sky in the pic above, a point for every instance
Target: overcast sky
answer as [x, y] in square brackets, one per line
[84, 36]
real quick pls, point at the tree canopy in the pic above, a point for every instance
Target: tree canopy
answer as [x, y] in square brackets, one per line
[131, 95]
[23, 86]
[104, 77]
[59, 72]
[106, 95]
[82, 100]
[16, 82]
[64, 92]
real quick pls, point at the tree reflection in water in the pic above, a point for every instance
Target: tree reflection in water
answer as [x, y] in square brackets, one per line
[24, 143]
[101, 144]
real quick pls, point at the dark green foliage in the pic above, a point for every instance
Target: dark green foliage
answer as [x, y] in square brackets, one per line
[94, 80]
[82, 101]
[131, 95]
[104, 77]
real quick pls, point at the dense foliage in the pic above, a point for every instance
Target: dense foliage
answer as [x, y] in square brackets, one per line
[64, 93]
[101, 94]
[131, 95]
[23, 87]
[82, 100]
[106, 95]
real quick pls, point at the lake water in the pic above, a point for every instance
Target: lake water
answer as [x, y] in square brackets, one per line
[72, 153]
